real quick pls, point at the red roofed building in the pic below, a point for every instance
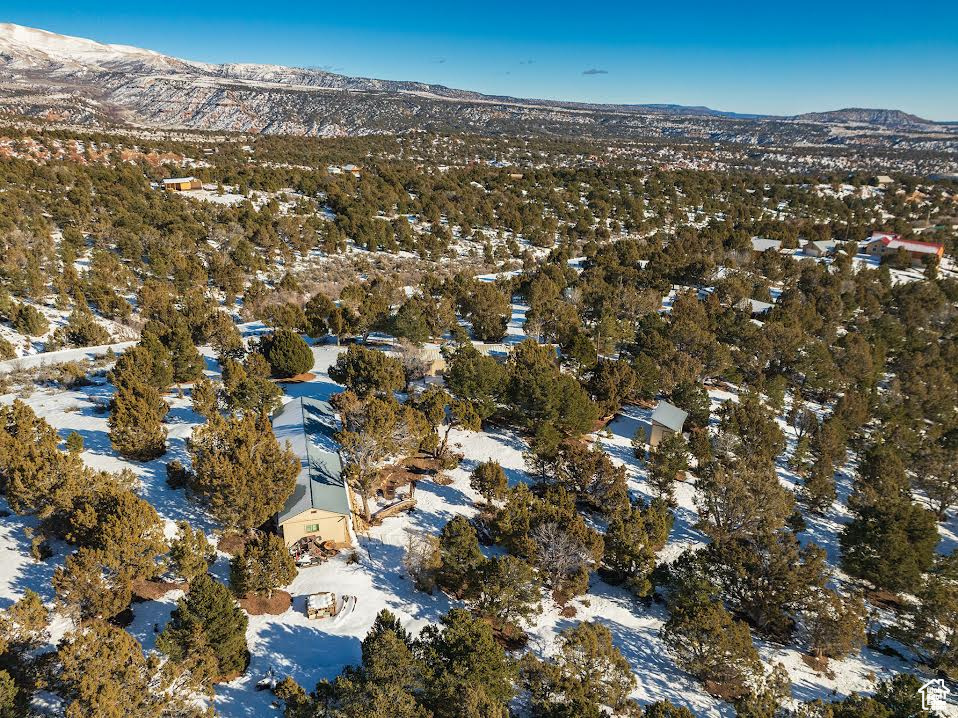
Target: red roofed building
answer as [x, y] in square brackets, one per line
[883, 244]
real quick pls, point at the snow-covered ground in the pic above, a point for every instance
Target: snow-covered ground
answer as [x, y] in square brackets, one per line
[309, 650]
[44, 359]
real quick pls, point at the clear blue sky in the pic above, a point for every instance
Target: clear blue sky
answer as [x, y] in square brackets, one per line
[763, 57]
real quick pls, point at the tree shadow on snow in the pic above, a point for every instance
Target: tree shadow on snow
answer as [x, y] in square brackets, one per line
[319, 390]
[383, 563]
[95, 441]
[630, 420]
[15, 558]
[305, 653]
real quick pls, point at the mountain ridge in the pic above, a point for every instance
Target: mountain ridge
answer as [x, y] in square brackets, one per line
[77, 79]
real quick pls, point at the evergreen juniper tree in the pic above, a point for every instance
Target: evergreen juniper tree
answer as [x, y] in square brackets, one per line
[207, 620]
[261, 566]
[136, 421]
[240, 470]
[288, 355]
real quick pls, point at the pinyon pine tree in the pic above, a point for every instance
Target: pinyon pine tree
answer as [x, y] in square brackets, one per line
[461, 558]
[103, 672]
[668, 459]
[85, 586]
[205, 398]
[489, 480]
[818, 491]
[467, 663]
[125, 530]
[188, 364]
[629, 555]
[368, 372]
[587, 673]
[8, 696]
[191, 554]
[510, 592]
[705, 639]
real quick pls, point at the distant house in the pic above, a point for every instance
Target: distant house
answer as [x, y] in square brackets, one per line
[431, 360]
[884, 244]
[754, 307]
[820, 248]
[884, 180]
[761, 244]
[500, 352]
[181, 184]
[666, 419]
[496, 350]
[434, 360]
[320, 506]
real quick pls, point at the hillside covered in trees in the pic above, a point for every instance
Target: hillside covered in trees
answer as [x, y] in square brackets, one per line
[501, 333]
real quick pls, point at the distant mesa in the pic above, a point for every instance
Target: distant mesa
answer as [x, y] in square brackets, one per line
[885, 118]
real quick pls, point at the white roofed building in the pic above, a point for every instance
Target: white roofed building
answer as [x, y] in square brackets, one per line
[666, 419]
[181, 184]
[761, 244]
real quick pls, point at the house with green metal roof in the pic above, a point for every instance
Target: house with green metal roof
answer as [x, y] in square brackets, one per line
[319, 507]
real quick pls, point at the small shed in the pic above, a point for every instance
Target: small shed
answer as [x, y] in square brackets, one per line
[181, 184]
[321, 605]
[435, 361]
[762, 244]
[431, 359]
[666, 419]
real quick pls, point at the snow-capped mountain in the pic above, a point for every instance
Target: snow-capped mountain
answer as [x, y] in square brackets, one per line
[26, 48]
[43, 74]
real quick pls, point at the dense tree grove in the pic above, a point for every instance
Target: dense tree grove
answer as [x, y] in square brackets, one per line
[501, 315]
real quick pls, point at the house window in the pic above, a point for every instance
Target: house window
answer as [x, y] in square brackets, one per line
[312, 528]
